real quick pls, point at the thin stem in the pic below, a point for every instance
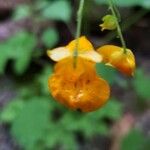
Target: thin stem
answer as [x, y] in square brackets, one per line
[78, 31]
[127, 24]
[118, 26]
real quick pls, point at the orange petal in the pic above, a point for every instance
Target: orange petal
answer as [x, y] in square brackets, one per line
[124, 62]
[84, 45]
[115, 56]
[69, 72]
[106, 51]
[80, 87]
[92, 96]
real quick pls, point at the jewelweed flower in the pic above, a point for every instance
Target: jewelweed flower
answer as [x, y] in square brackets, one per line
[109, 23]
[78, 87]
[116, 57]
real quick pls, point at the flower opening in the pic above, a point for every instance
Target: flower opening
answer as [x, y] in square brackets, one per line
[115, 56]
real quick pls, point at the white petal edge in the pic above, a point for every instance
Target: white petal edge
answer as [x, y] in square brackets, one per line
[59, 53]
[91, 55]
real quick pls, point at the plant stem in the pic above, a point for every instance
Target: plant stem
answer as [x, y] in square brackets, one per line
[118, 26]
[78, 31]
[126, 24]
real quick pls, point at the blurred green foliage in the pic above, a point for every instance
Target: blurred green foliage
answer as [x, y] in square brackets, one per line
[141, 84]
[31, 122]
[36, 120]
[106, 72]
[18, 48]
[22, 11]
[58, 10]
[50, 37]
[135, 140]
[45, 9]
[40, 122]
[127, 3]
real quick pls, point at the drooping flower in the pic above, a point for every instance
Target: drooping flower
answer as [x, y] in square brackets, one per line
[116, 57]
[78, 87]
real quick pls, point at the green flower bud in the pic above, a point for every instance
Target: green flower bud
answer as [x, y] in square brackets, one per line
[109, 23]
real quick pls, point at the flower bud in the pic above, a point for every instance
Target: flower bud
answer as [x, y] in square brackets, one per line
[109, 23]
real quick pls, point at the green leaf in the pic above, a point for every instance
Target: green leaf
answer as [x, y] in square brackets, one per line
[112, 110]
[106, 72]
[141, 84]
[32, 122]
[58, 10]
[43, 123]
[41, 4]
[3, 58]
[127, 3]
[145, 3]
[54, 138]
[43, 79]
[50, 37]
[135, 140]
[69, 142]
[18, 48]
[21, 12]
[120, 2]
[11, 111]
[23, 44]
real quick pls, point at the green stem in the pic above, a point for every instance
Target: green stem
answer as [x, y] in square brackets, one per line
[78, 31]
[127, 24]
[118, 26]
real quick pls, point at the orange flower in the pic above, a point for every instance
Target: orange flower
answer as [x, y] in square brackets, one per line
[115, 56]
[78, 87]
